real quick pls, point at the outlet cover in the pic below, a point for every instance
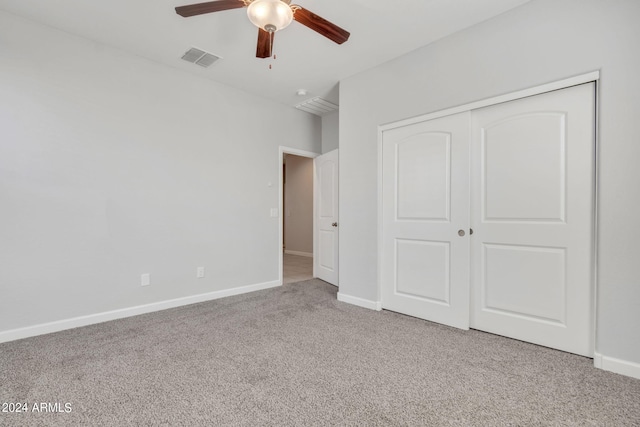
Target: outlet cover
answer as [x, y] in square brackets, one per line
[145, 279]
[200, 272]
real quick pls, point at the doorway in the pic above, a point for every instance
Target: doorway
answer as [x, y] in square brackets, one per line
[324, 207]
[297, 264]
[297, 224]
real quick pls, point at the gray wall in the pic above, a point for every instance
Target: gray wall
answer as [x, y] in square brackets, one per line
[112, 166]
[298, 204]
[330, 133]
[540, 42]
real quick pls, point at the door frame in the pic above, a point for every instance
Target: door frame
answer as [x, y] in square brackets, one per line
[590, 77]
[282, 150]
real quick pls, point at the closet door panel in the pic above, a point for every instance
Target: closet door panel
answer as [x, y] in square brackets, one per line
[532, 213]
[425, 192]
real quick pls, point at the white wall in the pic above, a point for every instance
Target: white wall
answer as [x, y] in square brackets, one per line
[540, 42]
[330, 131]
[112, 166]
[298, 204]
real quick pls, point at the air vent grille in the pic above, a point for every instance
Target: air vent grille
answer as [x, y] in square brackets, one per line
[317, 106]
[200, 57]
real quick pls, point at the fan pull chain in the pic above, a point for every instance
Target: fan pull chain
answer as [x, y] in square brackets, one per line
[274, 58]
[271, 46]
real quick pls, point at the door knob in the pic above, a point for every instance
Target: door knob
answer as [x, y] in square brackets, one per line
[335, 224]
[460, 233]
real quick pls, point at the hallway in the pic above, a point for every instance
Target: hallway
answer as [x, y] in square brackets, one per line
[296, 268]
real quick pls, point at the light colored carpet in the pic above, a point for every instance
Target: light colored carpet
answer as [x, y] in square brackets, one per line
[294, 355]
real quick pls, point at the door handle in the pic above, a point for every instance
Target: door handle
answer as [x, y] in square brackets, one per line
[461, 233]
[335, 224]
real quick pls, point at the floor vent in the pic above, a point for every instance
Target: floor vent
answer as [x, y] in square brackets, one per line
[317, 106]
[200, 57]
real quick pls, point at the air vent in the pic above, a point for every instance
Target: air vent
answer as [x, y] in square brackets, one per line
[200, 57]
[317, 106]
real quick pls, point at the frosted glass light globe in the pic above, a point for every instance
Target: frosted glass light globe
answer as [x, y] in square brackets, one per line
[270, 15]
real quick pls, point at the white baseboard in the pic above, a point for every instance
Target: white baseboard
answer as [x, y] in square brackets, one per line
[360, 302]
[307, 254]
[61, 325]
[619, 366]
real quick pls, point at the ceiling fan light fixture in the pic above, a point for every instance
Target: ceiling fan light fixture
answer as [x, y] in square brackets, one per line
[270, 15]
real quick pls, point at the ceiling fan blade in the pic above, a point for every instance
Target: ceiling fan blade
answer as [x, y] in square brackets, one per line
[265, 44]
[320, 25]
[208, 7]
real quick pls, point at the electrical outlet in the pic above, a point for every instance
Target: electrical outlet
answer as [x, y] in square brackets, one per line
[145, 279]
[200, 272]
[274, 212]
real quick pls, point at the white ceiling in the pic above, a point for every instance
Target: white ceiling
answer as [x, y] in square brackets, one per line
[380, 30]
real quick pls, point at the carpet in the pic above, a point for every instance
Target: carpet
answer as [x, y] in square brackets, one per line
[295, 356]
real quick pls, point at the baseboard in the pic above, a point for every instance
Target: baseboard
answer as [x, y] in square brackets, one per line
[360, 302]
[307, 254]
[619, 366]
[61, 325]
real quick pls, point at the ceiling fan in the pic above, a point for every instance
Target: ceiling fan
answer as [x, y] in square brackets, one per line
[270, 16]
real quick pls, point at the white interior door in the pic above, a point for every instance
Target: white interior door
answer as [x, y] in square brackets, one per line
[325, 260]
[425, 220]
[532, 204]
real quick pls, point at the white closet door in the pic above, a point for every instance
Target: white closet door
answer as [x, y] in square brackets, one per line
[532, 215]
[425, 185]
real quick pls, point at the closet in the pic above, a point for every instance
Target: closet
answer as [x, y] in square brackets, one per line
[487, 219]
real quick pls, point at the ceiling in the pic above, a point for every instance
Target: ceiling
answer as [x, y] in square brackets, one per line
[380, 30]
